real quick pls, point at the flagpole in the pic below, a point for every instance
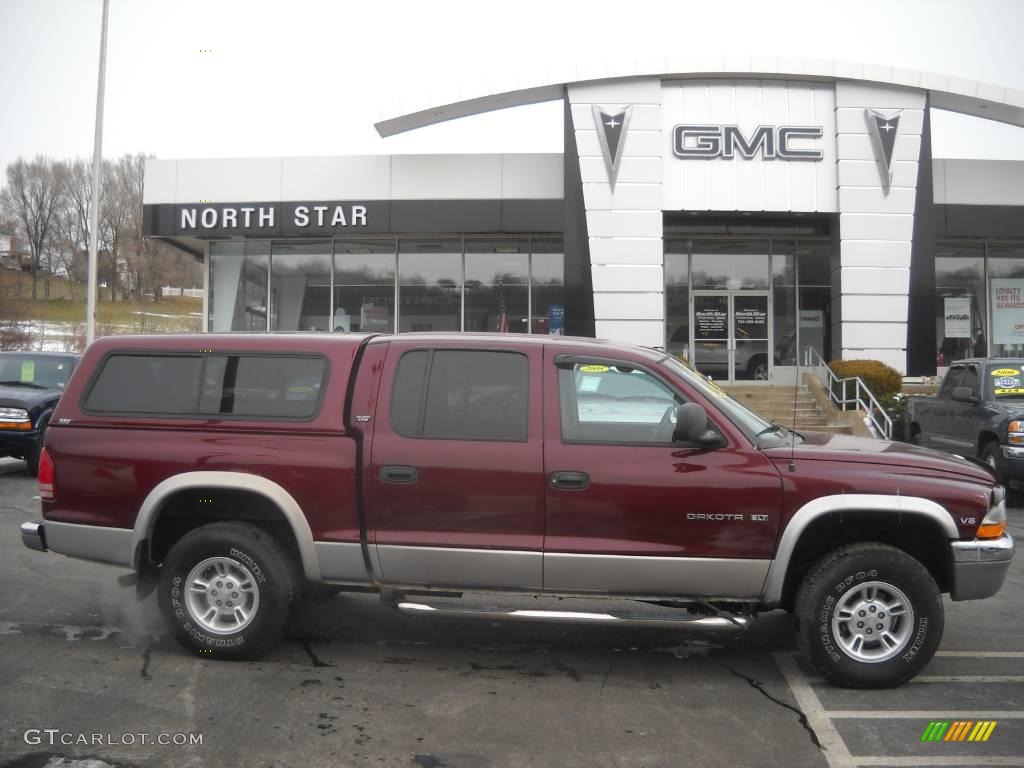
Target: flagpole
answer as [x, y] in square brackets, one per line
[94, 212]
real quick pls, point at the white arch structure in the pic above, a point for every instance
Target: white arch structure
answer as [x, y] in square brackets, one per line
[624, 221]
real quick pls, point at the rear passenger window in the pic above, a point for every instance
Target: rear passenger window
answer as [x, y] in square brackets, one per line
[258, 386]
[461, 395]
[146, 384]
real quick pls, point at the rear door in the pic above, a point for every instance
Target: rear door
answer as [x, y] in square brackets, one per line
[455, 494]
[629, 511]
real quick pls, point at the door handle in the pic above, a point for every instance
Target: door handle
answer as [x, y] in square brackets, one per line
[569, 481]
[399, 475]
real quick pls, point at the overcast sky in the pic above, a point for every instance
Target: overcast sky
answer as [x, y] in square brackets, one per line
[233, 78]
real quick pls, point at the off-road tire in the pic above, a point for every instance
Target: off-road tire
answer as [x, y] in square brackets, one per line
[273, 577]
[827, 585]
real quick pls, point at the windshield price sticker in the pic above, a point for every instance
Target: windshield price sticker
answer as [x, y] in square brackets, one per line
[1006, 372]
[594, 368]
[28, 371]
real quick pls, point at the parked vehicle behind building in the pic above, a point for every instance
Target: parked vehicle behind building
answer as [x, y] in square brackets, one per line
[228, 471]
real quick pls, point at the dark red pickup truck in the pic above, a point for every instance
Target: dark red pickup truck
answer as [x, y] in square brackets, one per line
[232, 472]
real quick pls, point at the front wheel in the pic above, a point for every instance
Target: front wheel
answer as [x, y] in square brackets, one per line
[869, 616]
[227, 590]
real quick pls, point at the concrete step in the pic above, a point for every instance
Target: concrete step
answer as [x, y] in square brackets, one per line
[835, 429]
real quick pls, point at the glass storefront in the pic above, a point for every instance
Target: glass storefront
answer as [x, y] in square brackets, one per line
[979, 300]
[743, 308]
[509, 284]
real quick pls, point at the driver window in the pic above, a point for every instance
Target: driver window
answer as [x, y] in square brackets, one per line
[615, 404]
[970, 379]
[951, 381]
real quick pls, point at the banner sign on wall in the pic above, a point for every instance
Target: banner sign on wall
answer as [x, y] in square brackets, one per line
[957, 317]
[1008, 311]
[556, 319]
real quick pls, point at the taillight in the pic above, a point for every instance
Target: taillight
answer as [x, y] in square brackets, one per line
[47, 477]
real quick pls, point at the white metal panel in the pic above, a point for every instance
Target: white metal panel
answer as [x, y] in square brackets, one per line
[629, 306]
[875, 280]
[626, 250]
[627, 277]
[627, 196]
[983, 182]
[160, 181]
[353, 177]
[855, 146]
[753, 184]
[879, 308]
[446, 177]
[874, 200]
[644, 333]
[876, 226]
[239, 180]
[865, 173]
[876, 253]
[639, 169]
[624, 223]
[638, 143]
[868, 334]
[532, 177]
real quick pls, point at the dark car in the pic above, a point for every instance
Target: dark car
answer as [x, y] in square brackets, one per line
[31, 383]
[978, 412]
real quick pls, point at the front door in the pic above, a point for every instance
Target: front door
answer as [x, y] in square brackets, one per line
[731, 335]
[630, 511]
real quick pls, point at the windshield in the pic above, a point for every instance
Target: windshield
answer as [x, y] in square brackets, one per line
[37, 371]
[750, 423]
[1004, 381]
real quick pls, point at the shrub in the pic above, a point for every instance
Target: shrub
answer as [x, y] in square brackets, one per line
[883, 381]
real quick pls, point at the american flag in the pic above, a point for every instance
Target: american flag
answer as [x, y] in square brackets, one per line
[503, 324]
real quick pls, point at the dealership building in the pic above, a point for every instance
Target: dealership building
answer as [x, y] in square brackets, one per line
[738, 212]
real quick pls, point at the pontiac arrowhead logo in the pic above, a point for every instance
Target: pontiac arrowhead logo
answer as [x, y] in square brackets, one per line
[611, 132]
[883, 127]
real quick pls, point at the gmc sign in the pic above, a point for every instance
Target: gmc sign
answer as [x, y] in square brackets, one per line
[727, 141]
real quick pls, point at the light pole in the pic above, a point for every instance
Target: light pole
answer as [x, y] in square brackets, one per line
[94, 212]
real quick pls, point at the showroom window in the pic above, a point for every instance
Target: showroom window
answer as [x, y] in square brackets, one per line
[384, 284]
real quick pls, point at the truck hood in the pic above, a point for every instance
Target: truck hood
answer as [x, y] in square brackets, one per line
[18, 396]
[822, 446]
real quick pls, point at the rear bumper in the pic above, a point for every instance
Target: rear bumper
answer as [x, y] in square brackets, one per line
[979, 567]
[86, 542]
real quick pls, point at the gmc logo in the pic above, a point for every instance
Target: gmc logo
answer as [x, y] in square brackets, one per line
[773, 142]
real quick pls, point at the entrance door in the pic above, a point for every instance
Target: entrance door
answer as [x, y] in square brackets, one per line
[731, 335]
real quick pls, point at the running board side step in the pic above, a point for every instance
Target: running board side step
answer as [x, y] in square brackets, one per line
[722, 621]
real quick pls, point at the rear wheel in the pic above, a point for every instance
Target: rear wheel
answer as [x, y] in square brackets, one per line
[869, 616]
[226, 590]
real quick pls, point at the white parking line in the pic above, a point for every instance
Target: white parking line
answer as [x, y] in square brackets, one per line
[832, 744]
[817, 679]
[922, 714]
[982, 654]
[938, 760]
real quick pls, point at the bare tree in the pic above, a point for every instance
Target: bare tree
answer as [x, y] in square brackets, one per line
[32, 197]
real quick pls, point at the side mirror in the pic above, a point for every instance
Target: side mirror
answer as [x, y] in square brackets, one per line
[692, 426]
[964, 395]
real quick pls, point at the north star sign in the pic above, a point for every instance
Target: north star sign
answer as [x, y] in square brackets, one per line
[247, 217]
[773, 142]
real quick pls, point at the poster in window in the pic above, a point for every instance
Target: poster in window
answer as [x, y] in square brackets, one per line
[957, 317]
[1008, 311]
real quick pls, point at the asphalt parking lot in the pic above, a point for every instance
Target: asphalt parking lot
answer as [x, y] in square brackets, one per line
[357, 684]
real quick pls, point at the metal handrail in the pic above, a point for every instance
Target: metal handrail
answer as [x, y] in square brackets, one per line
[862, 399]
